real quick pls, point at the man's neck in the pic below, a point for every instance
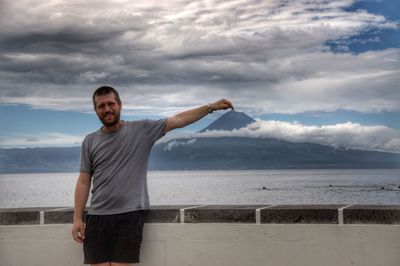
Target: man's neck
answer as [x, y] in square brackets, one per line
[113, 128]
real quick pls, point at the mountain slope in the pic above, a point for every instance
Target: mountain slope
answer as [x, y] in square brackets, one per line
[229, 121]
[39, 160]
[223, 153]
[211, 153]
[251, 153]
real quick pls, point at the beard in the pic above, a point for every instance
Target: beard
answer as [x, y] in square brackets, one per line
[110, 122]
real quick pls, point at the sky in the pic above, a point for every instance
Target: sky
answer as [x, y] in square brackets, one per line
[325, 72]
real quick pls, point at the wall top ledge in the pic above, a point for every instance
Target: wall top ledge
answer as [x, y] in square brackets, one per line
[276, 214]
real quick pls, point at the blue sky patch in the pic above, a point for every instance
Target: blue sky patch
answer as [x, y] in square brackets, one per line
[371, 39]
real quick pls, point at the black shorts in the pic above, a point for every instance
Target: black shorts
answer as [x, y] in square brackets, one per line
[115, 237]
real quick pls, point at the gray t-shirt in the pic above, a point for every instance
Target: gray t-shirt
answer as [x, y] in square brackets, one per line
[118, 163]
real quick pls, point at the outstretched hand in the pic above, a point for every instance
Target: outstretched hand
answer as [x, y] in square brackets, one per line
[222, 104]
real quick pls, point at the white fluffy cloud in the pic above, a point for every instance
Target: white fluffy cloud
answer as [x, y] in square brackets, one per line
[347, 135]
[176, 143]
[267, 56]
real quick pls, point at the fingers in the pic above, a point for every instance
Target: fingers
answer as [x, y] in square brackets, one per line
[230, 105]
[223, 104]
[78, 233]
[78, 238]
[75, 236]
[82, 231]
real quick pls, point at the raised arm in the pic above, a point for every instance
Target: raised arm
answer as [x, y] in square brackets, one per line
[188, 117]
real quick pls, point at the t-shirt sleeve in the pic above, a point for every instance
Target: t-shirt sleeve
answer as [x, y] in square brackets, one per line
[85, 165]
[155, 128]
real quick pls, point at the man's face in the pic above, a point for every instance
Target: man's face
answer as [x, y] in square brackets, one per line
[108, 109]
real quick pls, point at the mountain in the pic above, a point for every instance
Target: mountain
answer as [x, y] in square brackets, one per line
[229, 121]
[224, 153]
[221, 153]
[231, 153]
[39, 160]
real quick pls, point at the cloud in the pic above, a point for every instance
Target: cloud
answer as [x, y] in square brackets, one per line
[346, 135]
[175, 143]
[52, 139]
[32, 139]
[270, 56]
[93, 76]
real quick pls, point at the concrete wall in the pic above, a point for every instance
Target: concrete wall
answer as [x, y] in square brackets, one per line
[222, 235]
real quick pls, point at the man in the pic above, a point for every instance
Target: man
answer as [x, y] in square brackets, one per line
[116, 158]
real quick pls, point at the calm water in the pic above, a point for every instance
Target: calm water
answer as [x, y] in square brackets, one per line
[221, 187]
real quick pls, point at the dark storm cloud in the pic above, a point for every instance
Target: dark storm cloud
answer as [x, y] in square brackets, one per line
[269, 55]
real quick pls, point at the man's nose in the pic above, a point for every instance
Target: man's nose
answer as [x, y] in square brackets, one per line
[107, 108]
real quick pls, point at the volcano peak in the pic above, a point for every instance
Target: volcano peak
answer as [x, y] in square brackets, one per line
[229, 121]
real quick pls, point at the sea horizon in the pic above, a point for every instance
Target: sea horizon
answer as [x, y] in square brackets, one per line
[221, 187]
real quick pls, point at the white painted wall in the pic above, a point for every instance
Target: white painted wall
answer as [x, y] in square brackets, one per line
[218, 244]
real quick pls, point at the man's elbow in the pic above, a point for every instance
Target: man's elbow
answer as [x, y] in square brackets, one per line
[84, 179]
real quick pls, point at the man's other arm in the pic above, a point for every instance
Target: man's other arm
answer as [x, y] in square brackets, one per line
[81, 196]
[188, 117]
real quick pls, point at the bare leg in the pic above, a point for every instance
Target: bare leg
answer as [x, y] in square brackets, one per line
[120, 264]
[101, 264]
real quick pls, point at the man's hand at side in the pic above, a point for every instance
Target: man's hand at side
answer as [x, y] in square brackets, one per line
[78, 231]
[81, 195]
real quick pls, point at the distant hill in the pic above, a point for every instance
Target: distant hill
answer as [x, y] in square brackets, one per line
[225, 153]
[39, 160]
[229, 121]
[222, 153]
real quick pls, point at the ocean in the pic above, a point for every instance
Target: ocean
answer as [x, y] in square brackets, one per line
[350, 186]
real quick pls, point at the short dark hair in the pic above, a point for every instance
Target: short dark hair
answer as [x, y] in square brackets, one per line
[104, 90]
